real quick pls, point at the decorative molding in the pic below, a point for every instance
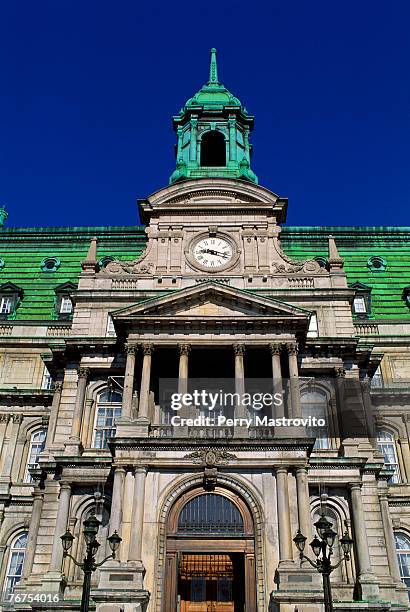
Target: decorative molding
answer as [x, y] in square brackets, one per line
[210, 457]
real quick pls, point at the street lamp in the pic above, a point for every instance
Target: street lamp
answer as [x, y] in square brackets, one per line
[91, 527]
[322, 548]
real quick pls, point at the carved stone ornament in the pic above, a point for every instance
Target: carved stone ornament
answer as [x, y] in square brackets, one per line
[210, 457]
[184, 349]
[210, 478]
[147, 349]
[83, 372]
[239, 349]
[129, 267]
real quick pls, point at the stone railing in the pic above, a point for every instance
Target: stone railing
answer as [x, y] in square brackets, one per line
[58, 330]
[366, 328]
[301, 283]
[119, 283]
[6, 330]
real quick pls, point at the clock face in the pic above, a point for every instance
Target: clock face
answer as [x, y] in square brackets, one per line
[212, 252]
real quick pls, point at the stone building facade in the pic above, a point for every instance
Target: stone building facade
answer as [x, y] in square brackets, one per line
[93, 319]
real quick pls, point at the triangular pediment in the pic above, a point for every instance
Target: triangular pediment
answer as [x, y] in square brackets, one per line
[211, 300]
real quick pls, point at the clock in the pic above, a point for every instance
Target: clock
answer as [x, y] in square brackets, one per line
[212, 253]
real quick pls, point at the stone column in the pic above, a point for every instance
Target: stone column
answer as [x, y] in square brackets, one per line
[365, 575]
[284, 528]
[405, 451]
[239, 352]
[295, 410]
[58, 388]
[184, 350]
[143, 411]
[138, 514]
[116, 502]
[276, 349]
[232, 138]
[192, 144]
[38, 497]
[14, 425]
[302, 487]
[83, 374]
[389, 537]
[61, 527]
[131, 351]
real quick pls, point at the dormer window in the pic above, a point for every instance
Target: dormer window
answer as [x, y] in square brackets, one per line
[10, 296]
[376, 264]
[64, 303]
[50, 264]
[104, 261]
[361, 307]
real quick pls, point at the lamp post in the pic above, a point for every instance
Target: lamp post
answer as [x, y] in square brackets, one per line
[91, 526]
[322, 548]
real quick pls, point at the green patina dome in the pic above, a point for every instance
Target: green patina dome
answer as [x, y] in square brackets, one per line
[213, 95]
[213, 134]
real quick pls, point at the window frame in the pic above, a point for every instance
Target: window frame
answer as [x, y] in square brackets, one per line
[401, 552]
[396, 477]
[31, 443]
[14, 550]
[107, 431]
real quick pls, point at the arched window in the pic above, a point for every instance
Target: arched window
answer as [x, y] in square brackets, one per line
[15, 564]
[210, 513]
[315, 405]
[37, 443]
[108, 409]
[387, 446]
[403, 557]
[213, 150]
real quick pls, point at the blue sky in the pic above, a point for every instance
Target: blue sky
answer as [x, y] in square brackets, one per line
[88, 89]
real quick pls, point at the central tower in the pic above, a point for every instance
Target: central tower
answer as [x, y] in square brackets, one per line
[213, 134]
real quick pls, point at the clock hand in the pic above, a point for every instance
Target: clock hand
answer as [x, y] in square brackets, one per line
[212, 252]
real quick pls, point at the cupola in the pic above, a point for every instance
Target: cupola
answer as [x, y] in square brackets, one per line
[213, 134]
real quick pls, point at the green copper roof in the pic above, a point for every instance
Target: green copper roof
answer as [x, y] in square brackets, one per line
[356, 245]
[24, 249]
[213, 95]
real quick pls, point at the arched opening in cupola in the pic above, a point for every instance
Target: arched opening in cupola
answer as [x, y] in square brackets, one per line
[213, 150]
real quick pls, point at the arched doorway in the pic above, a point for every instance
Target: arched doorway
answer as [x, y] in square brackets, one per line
[210, 554]
[213, 149]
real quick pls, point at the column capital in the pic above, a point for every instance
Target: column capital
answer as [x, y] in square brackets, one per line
[275, 348]
[119, 468]
[83, 372]
[291, 348]
[184, 349]
[340, 372]
[355, 486]
[239, 349]
[37, 494]
[302, 469]
[140, 469]
[131, 348]
[65, 486]
[58, 386]
[147, 348]
[282, 469]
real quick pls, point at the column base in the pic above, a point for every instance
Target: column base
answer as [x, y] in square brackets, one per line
[73, 447]
[121, 588]
[292, 577]
[53, 582]
[368, 588]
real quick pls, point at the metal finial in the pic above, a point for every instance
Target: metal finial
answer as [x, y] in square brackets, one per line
[213, 69]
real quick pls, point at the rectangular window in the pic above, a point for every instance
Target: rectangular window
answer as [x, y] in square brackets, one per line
[14, 573]
[66, 306]
[6, 305]
[359, 305]
[47, 381]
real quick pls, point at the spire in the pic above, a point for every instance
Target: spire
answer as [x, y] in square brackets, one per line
[335, 260]
[213, 69]
[90, 263]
